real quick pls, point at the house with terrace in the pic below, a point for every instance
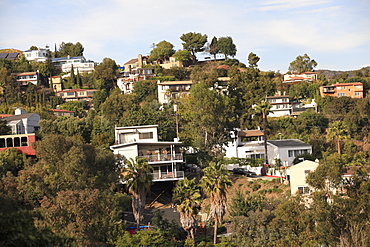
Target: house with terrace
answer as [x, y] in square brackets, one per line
[37, 55]
[165, 157]
[79, 64]
[303, 77]
[351, 89]
[246, 144]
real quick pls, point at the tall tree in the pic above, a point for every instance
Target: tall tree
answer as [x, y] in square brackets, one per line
[207, 119]
[226, 46]
[161, 51]
[215, 184]
[188, 199]
[264, 109]
[194, 42]
[213, 48]
[253, 60]
[138, 177]
[302, 64]
[107, 72]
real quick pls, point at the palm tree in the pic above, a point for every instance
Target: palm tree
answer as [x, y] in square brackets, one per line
[187, 195]
[138, 177]
[215, 183]
[264, 108]
[338, 131]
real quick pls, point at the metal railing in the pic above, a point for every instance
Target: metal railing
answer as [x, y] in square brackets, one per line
[168, 175]
[162, 157]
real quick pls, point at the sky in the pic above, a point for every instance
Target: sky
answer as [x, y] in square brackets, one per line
[335, 33]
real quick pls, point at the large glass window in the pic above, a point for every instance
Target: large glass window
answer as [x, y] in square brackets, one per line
[146, 135]
[295, 153]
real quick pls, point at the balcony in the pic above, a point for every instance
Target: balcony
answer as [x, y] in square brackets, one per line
[163, 157]
[168, 176]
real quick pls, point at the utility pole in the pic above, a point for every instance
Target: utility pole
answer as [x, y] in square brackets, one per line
[177, 121]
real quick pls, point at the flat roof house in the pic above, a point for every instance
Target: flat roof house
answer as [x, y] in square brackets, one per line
[164, 156]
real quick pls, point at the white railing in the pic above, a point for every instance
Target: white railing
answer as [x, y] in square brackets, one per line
[162, 157]
[168, 175]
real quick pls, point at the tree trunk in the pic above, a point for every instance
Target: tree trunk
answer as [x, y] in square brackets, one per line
[215, 232]
[338, 147]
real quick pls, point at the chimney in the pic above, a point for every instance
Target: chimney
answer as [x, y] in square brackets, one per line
[140, 60]
[19, 111]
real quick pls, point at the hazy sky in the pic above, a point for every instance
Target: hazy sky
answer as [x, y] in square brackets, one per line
[336, 33]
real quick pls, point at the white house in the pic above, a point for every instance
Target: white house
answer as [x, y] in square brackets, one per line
[303, 77]
[164, 156]
[246, 144]
[298, 174]
[39, 55]
[79, 64]
[286, 150]
[22, 122]
[172, 90]
[280, 105]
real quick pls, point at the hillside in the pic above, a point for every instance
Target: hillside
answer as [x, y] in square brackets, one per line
[10, 51]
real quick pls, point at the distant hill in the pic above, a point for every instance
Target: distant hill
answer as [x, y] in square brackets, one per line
[10, 51]
[332, 73]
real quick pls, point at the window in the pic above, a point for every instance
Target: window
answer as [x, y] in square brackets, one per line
[285, 100]
[344, 87]
[339, 88]
[146, 135]
[357, 94]
[272, 100]
[295, 153]
[358, 86]
[70, 94]
[304, 189]
[341, 94]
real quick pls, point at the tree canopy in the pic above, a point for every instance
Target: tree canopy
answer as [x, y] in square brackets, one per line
[194, 42]
[161, 51]
[302, 64]
[226, 46]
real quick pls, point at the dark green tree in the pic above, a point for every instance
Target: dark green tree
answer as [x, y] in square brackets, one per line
[161, 52]
[302, 64]
[70, 49]
[226, 46]
[107, 72]
[194, 42]
[253, 60]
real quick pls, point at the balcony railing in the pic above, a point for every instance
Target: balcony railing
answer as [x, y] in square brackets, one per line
[162, 157]
[175, 175]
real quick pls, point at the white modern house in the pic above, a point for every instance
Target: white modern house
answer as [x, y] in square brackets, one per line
[286, 150]
[22, 122]
[246, 144]
[164, 156]
[280, 105]
[79, 64]
[39, 55]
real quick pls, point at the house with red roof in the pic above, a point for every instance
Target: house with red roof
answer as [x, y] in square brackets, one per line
[303, 77]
